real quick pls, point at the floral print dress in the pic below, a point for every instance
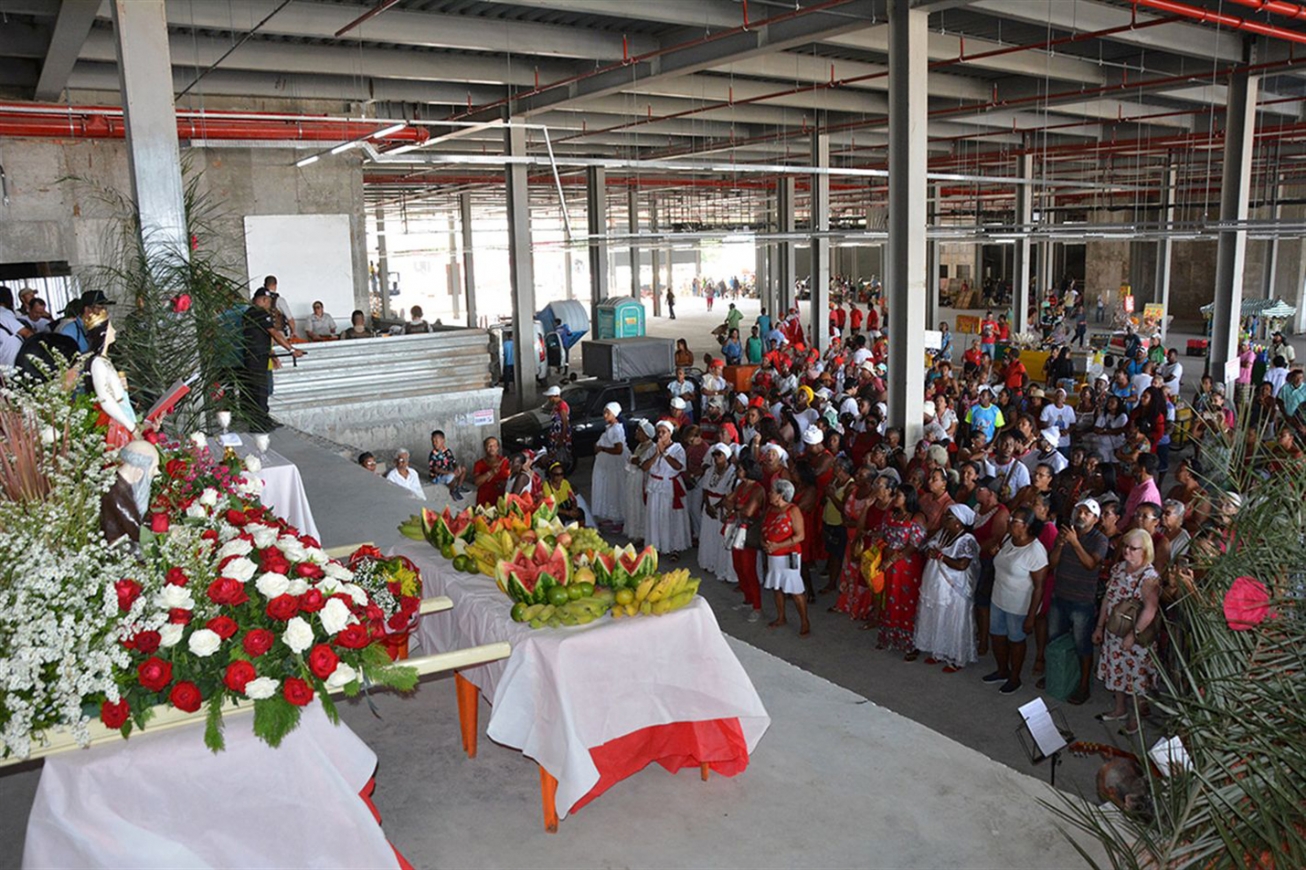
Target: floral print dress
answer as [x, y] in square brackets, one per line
[1121, 668]
[902, 584]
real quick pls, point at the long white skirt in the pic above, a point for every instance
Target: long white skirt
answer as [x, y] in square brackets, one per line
[608, 487]
[665, 528]
[780, 576]
[945, 625]
[634, 504]
[713, 556]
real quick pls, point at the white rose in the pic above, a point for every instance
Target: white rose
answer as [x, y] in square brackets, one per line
[335, 616]
[209, 497]
[235, 547]
[198, 439]
[292, 548]
[48, 435]
[241, 569]
[204, 642]
[298, 634]
[342, 676]
[175, 598]
[317, 555]
[196, 511]
[298, 586]
[355, 592]
[170, 634]
[336, 571]
[264, 536]
[249, 485]
[272, 585]
[252, 464]
[260, 688]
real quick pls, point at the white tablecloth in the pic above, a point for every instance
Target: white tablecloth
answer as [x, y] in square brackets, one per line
[564, 691]
[163, 800]
[283, 488]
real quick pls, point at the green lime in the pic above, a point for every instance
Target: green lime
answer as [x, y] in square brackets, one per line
[518, 612]
[464, 563]
[586, 589]
[558, 596]
[574, 592]
[447, 551]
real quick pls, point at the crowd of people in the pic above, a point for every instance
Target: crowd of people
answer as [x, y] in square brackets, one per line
[1034, 504]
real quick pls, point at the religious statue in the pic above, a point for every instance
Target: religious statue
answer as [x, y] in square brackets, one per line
[110, 388]
[128, 500]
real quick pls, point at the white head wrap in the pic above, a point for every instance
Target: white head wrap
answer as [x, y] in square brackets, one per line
[964, 514]
[813, 435]
[613, 408]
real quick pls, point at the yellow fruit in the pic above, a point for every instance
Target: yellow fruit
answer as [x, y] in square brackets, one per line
[645, 586]
[632, 609]
[625, 596]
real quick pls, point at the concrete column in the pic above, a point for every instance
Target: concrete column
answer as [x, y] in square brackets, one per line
[1270, 275]
[932, 268]
[1235, 189]
[455, 279]
[905, 272]
[145, 76]
[1165, 247]
[632, 223]
[656, 256]
[596, 223]
[521, 268]
[469, 275]
[785, 202]
[820, 223]
[1023, 249]
[382, 263]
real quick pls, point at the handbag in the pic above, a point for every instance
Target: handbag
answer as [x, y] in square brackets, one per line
[871, 571]
[1125, 615]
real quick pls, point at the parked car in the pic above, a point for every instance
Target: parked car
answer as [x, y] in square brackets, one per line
[640, 399]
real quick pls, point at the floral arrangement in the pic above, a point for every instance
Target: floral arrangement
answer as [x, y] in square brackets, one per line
[221, 603]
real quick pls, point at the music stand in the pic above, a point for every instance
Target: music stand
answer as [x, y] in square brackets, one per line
[1043, 734]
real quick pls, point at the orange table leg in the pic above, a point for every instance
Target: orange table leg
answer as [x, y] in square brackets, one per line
[703, 770]
[468, 701]
[549, 796]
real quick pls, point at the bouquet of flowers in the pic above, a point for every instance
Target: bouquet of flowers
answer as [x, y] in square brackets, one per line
[394, 585]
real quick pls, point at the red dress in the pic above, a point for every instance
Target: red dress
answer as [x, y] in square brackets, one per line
[902, 584]
[814, 541]
[855, 597]
[488, 493]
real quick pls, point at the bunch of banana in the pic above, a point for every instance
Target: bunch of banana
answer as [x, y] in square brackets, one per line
[488, 548]
[411, 528]
[657, 595]
[581, 611]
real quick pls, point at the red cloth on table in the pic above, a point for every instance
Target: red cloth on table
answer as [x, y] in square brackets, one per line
[366, 795]
[717, 742]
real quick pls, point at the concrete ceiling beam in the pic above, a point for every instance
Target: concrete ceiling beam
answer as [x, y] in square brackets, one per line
[795, 67]
[76, 17]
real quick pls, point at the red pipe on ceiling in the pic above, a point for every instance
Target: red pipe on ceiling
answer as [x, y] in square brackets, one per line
[1278, 7]
[1208, 17]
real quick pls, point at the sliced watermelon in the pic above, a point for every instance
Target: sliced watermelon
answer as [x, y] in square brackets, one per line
[449, 527]
[636, 566]
[547, 509]
[431, 528]
[519, 578]
[554, 564]
[605, 565]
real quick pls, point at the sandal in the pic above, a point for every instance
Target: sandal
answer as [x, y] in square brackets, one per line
[1111, 717]
[931, 661]
[949, 669]
[911, 656]
[1125, 732]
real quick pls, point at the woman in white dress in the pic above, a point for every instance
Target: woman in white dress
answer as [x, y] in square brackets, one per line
[717, 483]
[608, 485]
[634, 508]
[945, 626]
[666, 524]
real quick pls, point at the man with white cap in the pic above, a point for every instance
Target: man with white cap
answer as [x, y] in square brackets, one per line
[1076, 561]
[607, 487]
[667, 521]
[1045, 452]
[679, 416]
[681, 387]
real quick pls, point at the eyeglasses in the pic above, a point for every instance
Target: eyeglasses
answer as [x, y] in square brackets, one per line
[1131, 548]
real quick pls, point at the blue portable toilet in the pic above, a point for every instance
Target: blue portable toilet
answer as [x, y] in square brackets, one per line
[620, 317]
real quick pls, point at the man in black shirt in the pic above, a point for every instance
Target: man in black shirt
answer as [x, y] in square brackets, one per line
[260, 331]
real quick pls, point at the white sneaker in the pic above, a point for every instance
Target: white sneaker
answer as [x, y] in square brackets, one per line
[743, 605]
[755, 616]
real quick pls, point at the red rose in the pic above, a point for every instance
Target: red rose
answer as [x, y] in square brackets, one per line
[310, 571]
[159, 523]
[223, 626]
[309, 541]
[153, 436]
[374, 613]
[128, 590]
[146, 641]
[181, 302]
[226, 590]
[186, 696]
[175, 468]
[154, 673]
[114, 715]
[322, 661]
[398, 621]
[273, 560]
[283, 607]
[210, 535]
[353, 637]
[297, 691]
[177, 616]
[177, 577]
[236, 518]
[238, 674]
[258, 641]
[312, 601]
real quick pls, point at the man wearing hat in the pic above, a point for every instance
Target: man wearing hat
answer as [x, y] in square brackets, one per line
[92, 306]
[259, 331]
[1076, 561]
[1278, 347]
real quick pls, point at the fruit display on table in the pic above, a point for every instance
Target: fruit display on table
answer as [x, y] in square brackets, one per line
[581, 610]
[656, 595]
